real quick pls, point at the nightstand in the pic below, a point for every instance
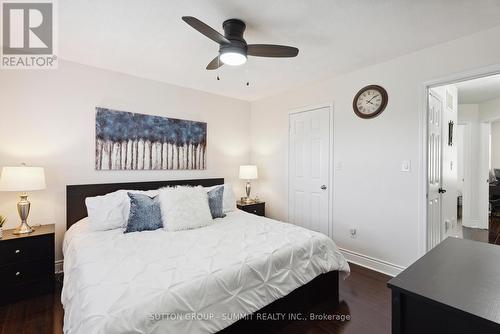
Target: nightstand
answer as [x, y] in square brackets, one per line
[257, 208]
[26, 263]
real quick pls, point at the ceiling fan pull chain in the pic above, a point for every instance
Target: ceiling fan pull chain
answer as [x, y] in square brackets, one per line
[218, 66]
[247, 79]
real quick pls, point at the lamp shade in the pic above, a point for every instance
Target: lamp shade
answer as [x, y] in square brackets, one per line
[22, 178]
[248, 172]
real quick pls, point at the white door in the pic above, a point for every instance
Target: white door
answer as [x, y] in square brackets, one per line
[434, 157]
[309, 169]
[484, 169]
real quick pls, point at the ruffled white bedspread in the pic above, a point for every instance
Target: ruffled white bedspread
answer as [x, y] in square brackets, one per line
[197, 281]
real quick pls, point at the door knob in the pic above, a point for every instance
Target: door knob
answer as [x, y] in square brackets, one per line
[441, 190]
[323, 187]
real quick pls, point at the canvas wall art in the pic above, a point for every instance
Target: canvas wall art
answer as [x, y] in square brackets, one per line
[130, 141]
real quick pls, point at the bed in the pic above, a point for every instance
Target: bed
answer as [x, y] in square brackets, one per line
[230, 277]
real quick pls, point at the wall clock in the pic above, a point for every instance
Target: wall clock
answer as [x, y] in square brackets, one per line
[370, 101]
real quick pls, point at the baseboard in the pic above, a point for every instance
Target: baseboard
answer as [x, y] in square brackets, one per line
[474, 223]
[369, 262]
[59, 266]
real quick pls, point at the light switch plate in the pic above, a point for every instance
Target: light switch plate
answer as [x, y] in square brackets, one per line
[406, 166]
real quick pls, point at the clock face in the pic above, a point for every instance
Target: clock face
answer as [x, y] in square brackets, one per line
[370, 101]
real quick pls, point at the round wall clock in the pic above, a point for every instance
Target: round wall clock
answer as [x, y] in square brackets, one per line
[370, 101]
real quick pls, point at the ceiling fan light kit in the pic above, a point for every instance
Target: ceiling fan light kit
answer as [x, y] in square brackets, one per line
[233, 49]
[233, 58]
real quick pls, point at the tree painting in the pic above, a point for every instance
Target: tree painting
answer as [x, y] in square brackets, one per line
[129, 141]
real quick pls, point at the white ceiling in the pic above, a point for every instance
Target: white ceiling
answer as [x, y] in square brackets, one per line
[479, 90]
[148, 38]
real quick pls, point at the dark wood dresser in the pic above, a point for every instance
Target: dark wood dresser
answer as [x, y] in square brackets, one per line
[454, 288]
[257, 208]
[26, 263]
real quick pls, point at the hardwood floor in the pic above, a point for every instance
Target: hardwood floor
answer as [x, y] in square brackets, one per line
[494, 230]
[364, 295]
[38, 315]
[491, 235]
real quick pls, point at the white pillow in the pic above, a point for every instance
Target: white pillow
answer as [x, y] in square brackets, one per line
[228, 199]
[184, 208]
[111, 211]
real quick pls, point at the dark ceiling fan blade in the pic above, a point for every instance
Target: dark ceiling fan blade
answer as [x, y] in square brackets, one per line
[214, 64]
[205, 30]
[270, 50]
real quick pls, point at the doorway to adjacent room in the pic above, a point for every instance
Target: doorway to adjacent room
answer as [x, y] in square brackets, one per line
[463, 160]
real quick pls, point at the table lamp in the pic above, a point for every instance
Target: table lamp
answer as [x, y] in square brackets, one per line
[248, 172]
[22, 179]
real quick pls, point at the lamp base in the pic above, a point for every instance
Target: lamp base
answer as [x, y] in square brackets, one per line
[248, 188]
[23, 208]
[24, 228]
[247, 200]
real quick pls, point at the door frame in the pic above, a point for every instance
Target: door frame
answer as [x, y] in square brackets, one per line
[303, 109]
[467, 190]
[423, 108]
[483, 173]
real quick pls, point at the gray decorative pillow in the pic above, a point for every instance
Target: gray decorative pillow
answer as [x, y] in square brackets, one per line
[145, 213]
[215, 202]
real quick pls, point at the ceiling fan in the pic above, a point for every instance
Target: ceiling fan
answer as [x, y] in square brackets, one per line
[233, 48]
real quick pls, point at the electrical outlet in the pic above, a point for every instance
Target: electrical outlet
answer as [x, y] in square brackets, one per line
[447, 224]
[354, 233]
[406, 166]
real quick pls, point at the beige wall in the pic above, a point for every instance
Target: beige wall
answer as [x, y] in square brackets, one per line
[370, 192]
[490, 110]
[47, 118]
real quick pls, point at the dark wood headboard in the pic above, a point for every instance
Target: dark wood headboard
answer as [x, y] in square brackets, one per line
[76, 194]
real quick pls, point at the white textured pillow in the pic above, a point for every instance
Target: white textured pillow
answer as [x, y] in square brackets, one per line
[184, 208]
[111, 211]
[228, 199]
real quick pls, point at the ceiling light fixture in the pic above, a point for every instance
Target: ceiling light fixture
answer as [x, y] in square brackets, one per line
[233, 58]
[233, 49]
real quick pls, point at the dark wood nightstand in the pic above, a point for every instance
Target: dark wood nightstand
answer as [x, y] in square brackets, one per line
[26, 263]
[257, 208]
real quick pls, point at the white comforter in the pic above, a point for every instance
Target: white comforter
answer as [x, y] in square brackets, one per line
[197, 281]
